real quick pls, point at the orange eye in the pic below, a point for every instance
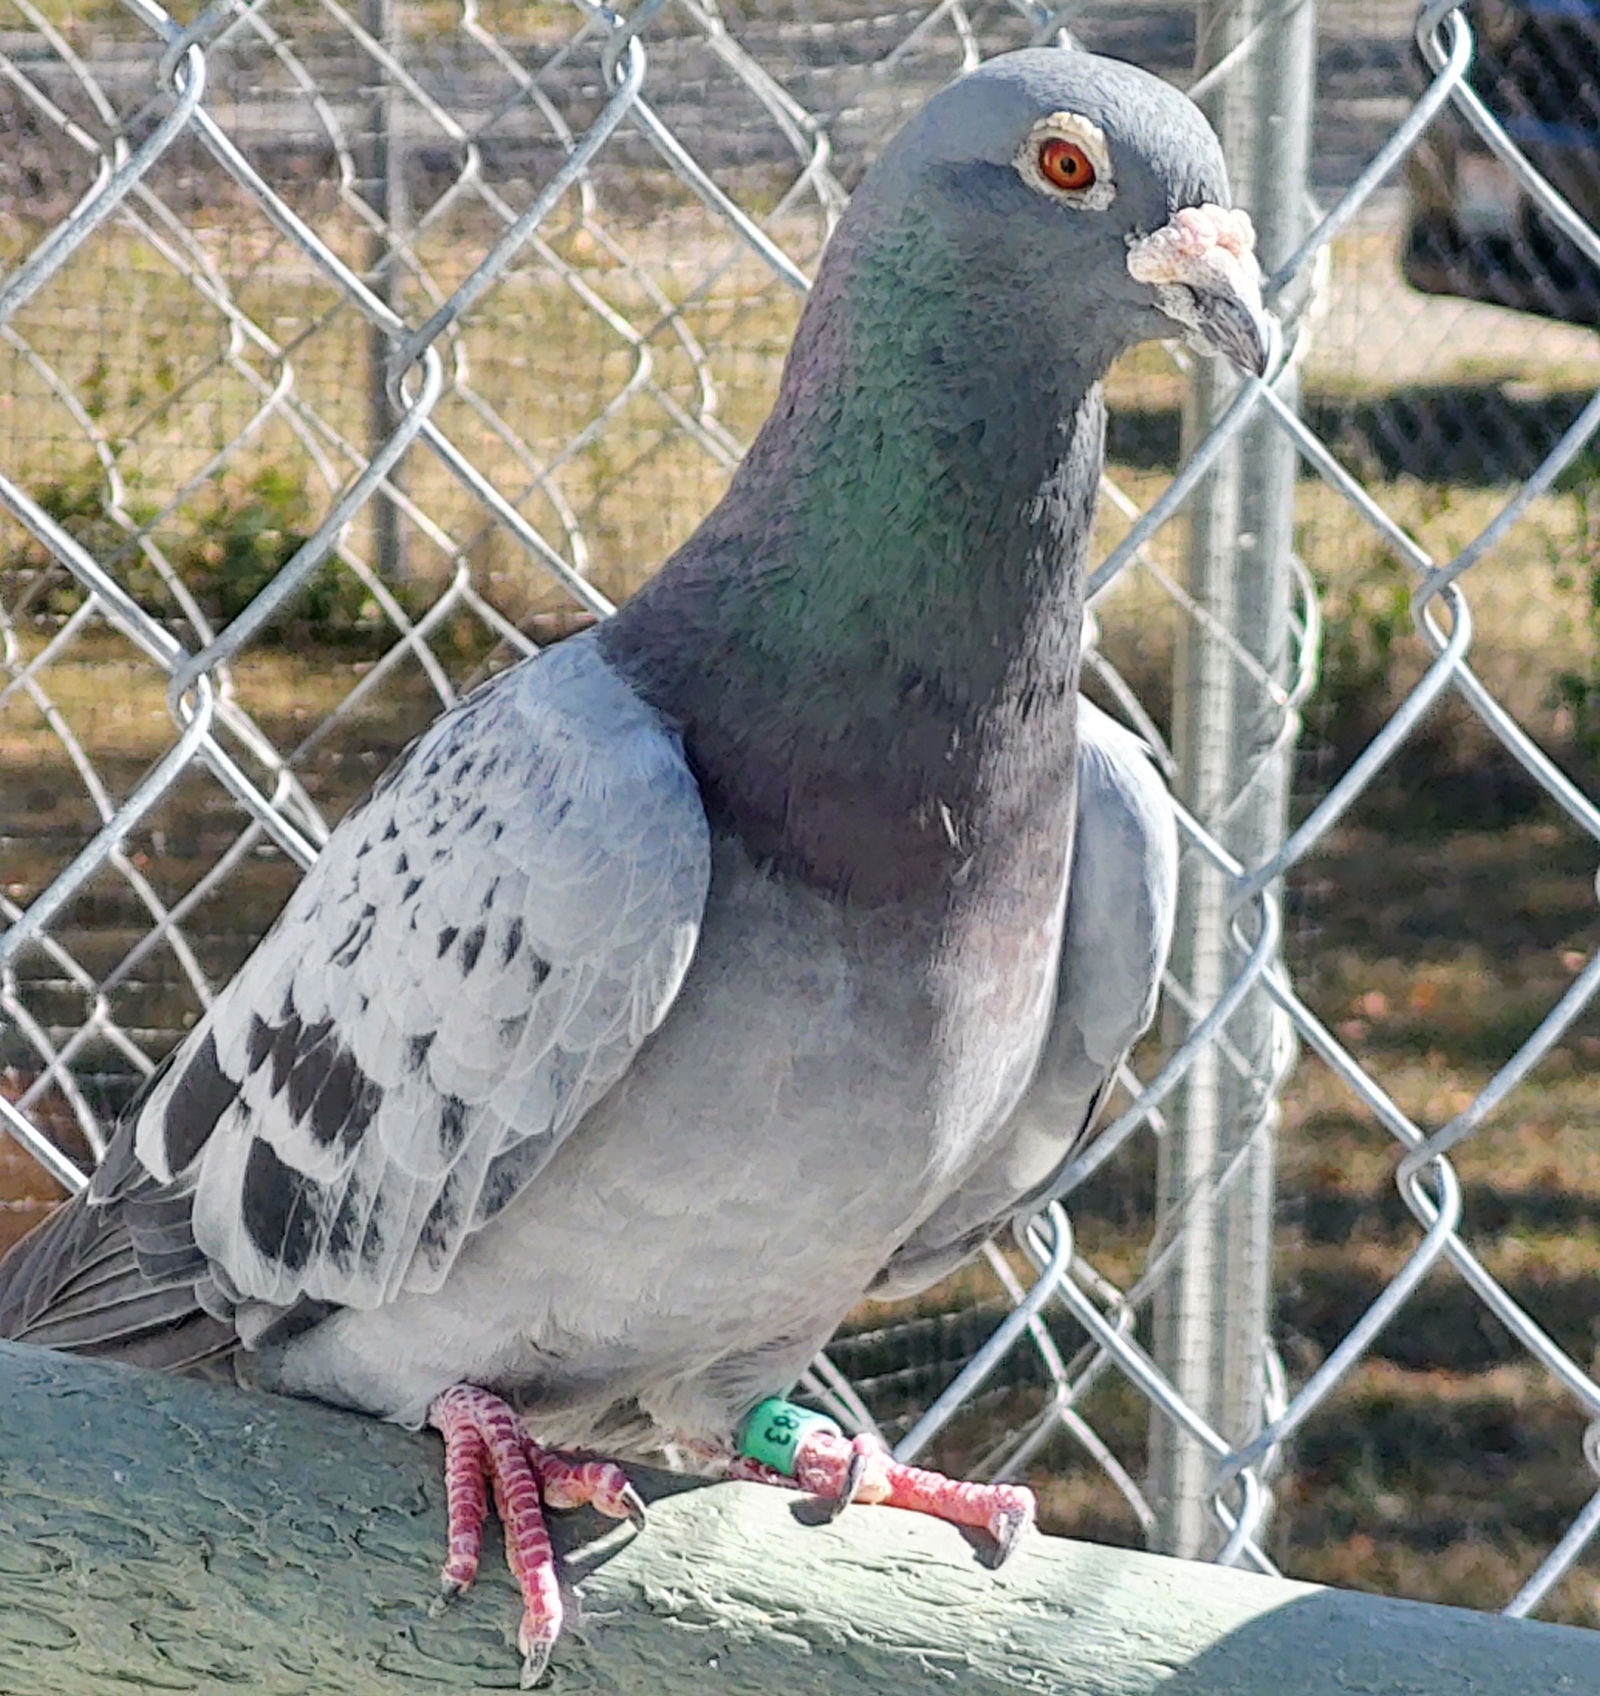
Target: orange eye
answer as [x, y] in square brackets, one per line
[1065, 164]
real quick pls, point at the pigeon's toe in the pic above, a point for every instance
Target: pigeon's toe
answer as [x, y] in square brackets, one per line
[843, 1470]
[576, 1481]
[860, 1469]
[486, 1446]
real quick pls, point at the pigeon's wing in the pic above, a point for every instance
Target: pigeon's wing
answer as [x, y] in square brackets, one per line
[1120, 913]
[474, 959]
[1120, 909]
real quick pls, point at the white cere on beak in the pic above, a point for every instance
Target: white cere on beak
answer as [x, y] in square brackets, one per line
[1203, 251]
[1203, 247]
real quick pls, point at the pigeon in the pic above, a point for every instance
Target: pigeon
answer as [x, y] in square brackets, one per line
[735, 957]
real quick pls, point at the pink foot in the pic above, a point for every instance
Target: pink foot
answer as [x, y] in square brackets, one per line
[861, 1469]
[484, 1442]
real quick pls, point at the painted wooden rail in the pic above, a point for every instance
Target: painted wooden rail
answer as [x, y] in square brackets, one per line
[169, 1535]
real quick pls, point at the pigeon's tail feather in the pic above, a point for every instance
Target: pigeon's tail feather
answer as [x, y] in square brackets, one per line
[78, 1282]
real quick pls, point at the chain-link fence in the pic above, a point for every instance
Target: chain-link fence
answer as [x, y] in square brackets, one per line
[350, 351]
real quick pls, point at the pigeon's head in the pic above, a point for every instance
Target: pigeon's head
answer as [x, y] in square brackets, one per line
[1097, 190]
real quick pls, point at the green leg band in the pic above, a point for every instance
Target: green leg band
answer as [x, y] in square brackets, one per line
[772, 1433]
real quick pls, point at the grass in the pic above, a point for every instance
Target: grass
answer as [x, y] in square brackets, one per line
[1431, 930]
[168, 389]
[1449, 1463]
[543, 21]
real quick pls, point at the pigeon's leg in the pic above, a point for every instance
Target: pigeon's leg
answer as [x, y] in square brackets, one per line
[861, 1469]
[791, 1445]
[485, 1440]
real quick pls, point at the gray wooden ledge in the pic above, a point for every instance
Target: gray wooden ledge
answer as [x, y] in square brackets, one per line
[159, 1534]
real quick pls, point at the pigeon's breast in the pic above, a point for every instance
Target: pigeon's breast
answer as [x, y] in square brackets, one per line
[793, 1091]
[816, 1091]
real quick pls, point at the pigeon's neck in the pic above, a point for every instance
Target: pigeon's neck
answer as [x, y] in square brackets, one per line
[871, 645]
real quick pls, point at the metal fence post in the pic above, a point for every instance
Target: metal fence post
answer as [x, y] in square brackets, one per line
[1211, 1313]
[389, 194]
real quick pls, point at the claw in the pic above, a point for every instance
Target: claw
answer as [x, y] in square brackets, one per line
[855, 1475]
[634, 1503]
[449, 1589]
[1008, 1526]
[535, 1664]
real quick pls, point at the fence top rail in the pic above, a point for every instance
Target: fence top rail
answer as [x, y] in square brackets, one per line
[291, 1548]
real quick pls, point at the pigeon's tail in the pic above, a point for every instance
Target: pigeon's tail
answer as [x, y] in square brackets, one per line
[82, 1282]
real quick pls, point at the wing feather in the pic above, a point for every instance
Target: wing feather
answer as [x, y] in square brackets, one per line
[472, 962]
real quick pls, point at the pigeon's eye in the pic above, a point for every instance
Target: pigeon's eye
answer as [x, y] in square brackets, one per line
[1065, 165]
[1066, 158]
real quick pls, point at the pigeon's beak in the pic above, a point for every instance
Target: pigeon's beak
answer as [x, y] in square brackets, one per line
[1228, 323]
[1203, 268]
